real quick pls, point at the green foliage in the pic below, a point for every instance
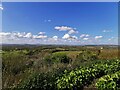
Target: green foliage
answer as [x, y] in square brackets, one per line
[84, 75]
[57, 58]
[86, 56]
[109, 82]
[15, 62]
[25, 66]
[14, 65]
[43, 81]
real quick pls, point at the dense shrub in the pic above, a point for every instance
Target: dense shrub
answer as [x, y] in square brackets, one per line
[15, 62]
[42, 81]
[109, 82]
[84, 75]
[86, 56]
[57, 58]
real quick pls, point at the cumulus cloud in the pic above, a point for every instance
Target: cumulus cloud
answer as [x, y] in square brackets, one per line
[74, 37]
[84, 35]
[22, 35]
[66, 28]
[41, 33]
[1, 7]
[28, 35]
[67, 36]
[5, 33]
[55, 37]
[53, 40]
[72, 31]
[98, 37]
[39, 36]
[85, 38]
[42, 38]
[21, 38]
[63, 28]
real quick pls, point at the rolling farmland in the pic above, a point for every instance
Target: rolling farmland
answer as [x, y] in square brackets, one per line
[60, 67]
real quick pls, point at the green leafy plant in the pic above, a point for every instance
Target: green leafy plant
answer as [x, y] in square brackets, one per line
[84, 75]
[57, 58]
[109, 82]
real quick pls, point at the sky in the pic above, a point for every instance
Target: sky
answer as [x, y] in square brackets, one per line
[79, 23]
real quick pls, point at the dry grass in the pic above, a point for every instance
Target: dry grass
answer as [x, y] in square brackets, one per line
[105, 53]
[71, 54]
[108, 54]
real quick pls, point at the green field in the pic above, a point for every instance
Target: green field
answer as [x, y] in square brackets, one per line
[60, 67]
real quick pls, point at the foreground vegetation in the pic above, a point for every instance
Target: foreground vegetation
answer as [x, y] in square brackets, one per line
[82, 76]
[60, 67]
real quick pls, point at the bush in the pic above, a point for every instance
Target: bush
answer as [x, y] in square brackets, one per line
[58, 58]
[83, 76]
[43, 81]
[109, 82]
[86, 56]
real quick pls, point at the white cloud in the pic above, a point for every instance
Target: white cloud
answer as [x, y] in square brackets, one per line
[39, 36]
[4, 33]
[74, 37]
[1, 7]
[55, 37]
[13, 35]
[41, 33]
[28, 35]
[72, 31]
[81, 36]
[85, 38]
[18, 35]
[42, 38]
[63, 28]
[87, 35]
[107, 31]
[98, 37]
[66, 28]
[66, 36]
[84, 35]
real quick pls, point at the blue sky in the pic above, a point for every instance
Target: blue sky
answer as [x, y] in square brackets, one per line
[60, 23]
